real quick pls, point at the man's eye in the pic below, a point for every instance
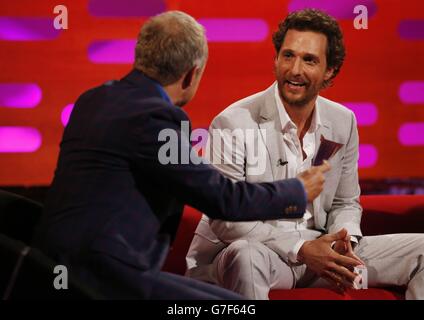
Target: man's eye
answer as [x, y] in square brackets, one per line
[310, 61]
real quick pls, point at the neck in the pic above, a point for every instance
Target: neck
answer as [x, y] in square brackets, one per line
[173, 93]
[301, 115]
[172, 90]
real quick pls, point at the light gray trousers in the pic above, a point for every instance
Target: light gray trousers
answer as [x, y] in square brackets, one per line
[251, 269]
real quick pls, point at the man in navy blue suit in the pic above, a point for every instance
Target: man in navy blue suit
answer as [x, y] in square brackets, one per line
[114, 207]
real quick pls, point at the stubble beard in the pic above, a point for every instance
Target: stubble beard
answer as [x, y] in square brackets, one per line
[303, 100]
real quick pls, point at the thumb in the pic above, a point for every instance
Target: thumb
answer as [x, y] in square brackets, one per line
[340, 235]
[325, 166]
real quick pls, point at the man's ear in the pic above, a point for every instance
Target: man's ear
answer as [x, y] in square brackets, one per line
[328, 73]
[189, 77]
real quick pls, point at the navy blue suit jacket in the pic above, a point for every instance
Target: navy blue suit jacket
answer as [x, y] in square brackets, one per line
[111, 197]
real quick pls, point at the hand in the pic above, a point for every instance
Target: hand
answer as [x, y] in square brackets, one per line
[313, 180]
[344, 247]
[326, 262]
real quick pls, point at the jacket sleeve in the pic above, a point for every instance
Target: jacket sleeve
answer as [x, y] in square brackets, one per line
[164, 154]
[231, 161]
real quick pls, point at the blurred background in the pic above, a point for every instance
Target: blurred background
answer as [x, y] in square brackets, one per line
[44, 70]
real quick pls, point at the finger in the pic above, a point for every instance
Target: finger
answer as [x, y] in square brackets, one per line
[325, 166]
[339, 247]
[344, 234]
[349, 246]
[352, 254]
[331, 277]
[344, 273]
[340, 235]
[335, 280]
[339, 289]
[340, 281]
[347, 262]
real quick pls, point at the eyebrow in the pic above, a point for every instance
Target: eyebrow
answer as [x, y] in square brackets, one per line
[311, 56]
[305, 55]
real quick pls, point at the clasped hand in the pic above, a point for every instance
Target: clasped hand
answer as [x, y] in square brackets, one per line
[334, 264]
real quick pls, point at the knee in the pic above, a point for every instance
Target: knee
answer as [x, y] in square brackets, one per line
[419, 246]
[244, 253]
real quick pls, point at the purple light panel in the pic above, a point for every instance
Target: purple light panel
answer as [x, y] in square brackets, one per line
[412, 92]
[66, 113]
[27, 29]
[19, 139]
[19, 95]
[366, 112]
[112, 51]
[217, 30]
[337, 9]
[126, 8]
[411, 29]
[368, 156]
[235, 30]
[411, 134]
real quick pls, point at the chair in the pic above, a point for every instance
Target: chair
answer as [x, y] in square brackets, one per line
[26, 273]
[383, 214]
[18, 216]
[9, 259]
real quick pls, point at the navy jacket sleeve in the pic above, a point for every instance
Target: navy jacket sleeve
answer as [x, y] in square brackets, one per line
[200, 185]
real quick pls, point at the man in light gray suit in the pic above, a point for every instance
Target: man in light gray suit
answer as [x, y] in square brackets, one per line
[288, 120]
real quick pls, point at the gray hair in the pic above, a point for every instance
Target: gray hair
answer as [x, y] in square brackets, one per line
[169, 45]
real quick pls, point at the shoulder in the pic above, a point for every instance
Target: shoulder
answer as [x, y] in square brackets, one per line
[335, 115]
[242, 113]
[333, 110]
[155, 114]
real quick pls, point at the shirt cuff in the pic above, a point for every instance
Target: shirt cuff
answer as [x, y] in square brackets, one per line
[295, 250]
[354, 239]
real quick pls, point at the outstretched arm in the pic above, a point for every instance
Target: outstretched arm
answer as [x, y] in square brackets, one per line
[200, 185]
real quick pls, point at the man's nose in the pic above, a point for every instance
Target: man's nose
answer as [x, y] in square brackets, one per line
[296, 67]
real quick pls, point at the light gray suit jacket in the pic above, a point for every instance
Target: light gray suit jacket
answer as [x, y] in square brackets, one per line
[337, 207]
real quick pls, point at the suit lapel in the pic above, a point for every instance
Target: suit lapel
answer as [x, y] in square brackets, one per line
[325, 130]
[269, 121]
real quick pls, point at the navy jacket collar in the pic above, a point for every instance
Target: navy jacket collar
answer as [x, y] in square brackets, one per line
[153, 87]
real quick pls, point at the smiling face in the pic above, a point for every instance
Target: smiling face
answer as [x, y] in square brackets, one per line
[301, 67]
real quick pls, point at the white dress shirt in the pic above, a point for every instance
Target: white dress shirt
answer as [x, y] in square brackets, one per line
[295, 165]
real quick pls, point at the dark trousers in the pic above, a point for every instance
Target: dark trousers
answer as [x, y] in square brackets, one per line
[115, 279]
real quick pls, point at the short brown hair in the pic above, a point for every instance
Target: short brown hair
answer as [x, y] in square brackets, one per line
[168, 45]
[317, 21]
